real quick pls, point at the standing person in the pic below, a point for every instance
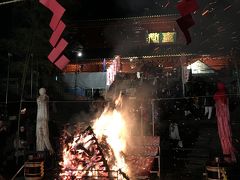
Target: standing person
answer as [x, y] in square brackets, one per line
[208, 105]
[21, 146]
[223, 121]
[42, 131]
[174, 134]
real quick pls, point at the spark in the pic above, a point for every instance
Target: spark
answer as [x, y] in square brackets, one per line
[167, 4]
[205, 12]
[228, 7]
[9, 2]
[211, 3]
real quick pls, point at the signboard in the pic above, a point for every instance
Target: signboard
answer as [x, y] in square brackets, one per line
[161, 37]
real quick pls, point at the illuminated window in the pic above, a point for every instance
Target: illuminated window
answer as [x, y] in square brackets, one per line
[161, 37]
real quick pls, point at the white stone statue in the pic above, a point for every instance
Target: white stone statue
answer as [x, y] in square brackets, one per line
[42, 131]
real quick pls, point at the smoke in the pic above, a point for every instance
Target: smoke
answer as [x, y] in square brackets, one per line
[128, 95]
[125, 38]
[78, 122]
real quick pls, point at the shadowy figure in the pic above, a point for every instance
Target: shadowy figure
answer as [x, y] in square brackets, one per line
[208, 105]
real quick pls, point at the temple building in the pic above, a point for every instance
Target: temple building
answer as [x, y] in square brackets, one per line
[140, 42]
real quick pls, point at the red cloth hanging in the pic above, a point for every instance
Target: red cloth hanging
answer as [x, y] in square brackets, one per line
[57, 10]
[57, 50]
[223, 121]
[57, 33]
[58, 27]
[57, 15]
[62, 62]
[184, 24]
[186, 7]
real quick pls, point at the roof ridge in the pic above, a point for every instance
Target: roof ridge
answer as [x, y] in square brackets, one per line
[130, 18]
[142, 57]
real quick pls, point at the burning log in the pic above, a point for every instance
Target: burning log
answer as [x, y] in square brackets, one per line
[85, 157]
[100, 151]
[103, 151]
[124, 174]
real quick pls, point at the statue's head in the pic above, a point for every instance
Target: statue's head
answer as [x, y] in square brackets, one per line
[42, 91]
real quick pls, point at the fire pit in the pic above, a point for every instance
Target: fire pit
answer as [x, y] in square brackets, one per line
[85, 158]
[105, 151]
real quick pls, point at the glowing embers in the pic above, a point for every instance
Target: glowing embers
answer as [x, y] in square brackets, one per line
[85, 157]
[108, 151]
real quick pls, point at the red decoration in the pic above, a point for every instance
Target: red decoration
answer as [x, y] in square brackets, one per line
[62, 62]
[223, 121]
[58, 27]
[57, 50]
[57, 15]
[186, 7]
[184, 24]
[57, 10]
[57, 33]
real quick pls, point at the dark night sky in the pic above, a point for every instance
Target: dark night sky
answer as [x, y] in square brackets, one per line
[217, 31]
[95, 9]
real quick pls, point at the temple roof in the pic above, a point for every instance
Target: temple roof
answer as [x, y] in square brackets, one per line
[129, 18]
[138, 51]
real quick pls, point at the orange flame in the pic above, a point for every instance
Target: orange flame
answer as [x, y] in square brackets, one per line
[112, 126]
[109, 128]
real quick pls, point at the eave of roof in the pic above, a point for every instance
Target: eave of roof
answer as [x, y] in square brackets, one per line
[130, 18]
[140, 57]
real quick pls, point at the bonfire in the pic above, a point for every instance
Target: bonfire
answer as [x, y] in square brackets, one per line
[98, 151]
[106, 151]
